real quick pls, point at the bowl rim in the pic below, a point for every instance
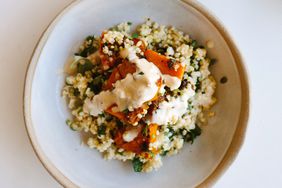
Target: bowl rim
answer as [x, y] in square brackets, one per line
[239, 134]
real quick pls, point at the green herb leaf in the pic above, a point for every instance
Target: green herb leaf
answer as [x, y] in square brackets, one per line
[190, 106]
[89, 48]
[96, 88]
[108, 117]
[141, 73]
[87, 65]
[129, 23]
[119, 124]
[126, 111]
[135, 35]
[96, 84]
[68, 122]
[101, 129]
[172, 132]
[198, 84]
[145, 130]
[163, 153]
[194, 43]
[73, 126]
[192, 134]
[137, 164]
[101, 115]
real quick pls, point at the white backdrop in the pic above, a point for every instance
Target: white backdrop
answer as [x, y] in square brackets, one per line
[256, 26]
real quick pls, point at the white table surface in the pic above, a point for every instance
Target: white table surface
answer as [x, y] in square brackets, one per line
[256, 26]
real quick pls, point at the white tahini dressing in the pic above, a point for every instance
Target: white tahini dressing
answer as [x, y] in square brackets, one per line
[172, 111]
[171, 81]
[130, 92]
[130, 135]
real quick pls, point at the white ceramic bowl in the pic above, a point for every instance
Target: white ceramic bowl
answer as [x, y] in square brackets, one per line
[60, 149]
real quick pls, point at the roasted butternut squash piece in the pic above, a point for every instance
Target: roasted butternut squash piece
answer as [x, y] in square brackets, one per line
[164, 64]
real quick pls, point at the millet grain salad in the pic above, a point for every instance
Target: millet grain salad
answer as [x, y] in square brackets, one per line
[139, 95]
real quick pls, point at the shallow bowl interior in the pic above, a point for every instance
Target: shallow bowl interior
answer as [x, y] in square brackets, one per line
[60, 149]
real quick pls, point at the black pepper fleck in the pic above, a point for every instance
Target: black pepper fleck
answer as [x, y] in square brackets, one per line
[212, 62]
[223, 80]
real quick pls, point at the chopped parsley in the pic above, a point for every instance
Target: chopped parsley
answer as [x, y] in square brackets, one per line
[190, 106]
[108, 117]
[192, 134]
[198, 84]
[119, 124]
[101, 129]
[172, 132]
[96, 84]
[84, 65]
[126, 111]
[164, 153]
[68, 122]
[101, 115]
[137, 165]
[145, 131]
[89, 48]
[135, 35]
[194, 43]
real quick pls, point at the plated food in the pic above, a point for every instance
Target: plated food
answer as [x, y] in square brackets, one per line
[45, 111]
[139, 95]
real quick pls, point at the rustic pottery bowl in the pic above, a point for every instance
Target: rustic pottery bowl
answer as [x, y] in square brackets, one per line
[75, 165]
